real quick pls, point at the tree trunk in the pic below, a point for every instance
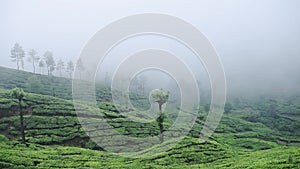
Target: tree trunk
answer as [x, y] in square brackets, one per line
[48, 70]
[52, 84]
[160, 123]
[22, 123]
[33, 65]
[17, 60]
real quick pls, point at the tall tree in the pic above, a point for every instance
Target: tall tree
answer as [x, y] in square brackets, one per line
[60, 66]
[17, 55]
[80, 67]
[50, 63]
[33, 58]
[41, 65]
[70, 68]
[19, 94]
[160, 97]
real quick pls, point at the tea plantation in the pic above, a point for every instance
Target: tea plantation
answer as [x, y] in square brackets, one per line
[259, 133]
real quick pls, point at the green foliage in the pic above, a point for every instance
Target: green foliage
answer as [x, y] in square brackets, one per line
[17, 93]
[33, 84]
[10, 78]
[262, 133]
[160, 96]
[189, 153]
[228, 108]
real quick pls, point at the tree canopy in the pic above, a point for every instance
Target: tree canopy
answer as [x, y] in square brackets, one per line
[17, 93]
[17, 55]
[160, 96]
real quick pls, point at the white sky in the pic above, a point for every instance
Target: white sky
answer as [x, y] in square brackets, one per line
[252, 36]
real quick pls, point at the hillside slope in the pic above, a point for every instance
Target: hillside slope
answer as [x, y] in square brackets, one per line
[261, 133]
[43, 84]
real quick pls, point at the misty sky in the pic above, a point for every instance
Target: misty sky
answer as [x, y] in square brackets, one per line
[258, 40]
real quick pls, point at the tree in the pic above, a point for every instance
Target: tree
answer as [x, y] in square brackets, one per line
[60, 66]
[42, 65]
[160, 97]
[19, 94]
[17, 55]
[80, 67]
[50, 63]
[70, 68]
[33, 58]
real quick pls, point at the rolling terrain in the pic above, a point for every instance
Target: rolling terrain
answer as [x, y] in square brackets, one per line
[257, 133]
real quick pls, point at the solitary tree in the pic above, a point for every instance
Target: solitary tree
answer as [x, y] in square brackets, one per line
[160, 97]
[50, 63]
[33, 58]
[70, 68]
[17, 55]
[60, 66]
[19, 94]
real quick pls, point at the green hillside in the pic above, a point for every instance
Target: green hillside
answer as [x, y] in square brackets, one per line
[43, 84]
[260, 133]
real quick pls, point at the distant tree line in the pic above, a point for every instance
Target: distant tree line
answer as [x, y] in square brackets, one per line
[45, 61]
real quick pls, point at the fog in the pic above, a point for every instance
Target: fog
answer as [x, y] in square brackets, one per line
[258, 41]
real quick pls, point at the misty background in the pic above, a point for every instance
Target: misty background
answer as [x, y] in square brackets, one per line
[258, 41]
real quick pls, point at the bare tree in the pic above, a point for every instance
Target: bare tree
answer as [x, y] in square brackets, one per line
[17, 55]
[33, 58]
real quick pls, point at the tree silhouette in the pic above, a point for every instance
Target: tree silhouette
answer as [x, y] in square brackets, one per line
[17, 55]
[19, 94]
[33, 58]
[160, 97]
